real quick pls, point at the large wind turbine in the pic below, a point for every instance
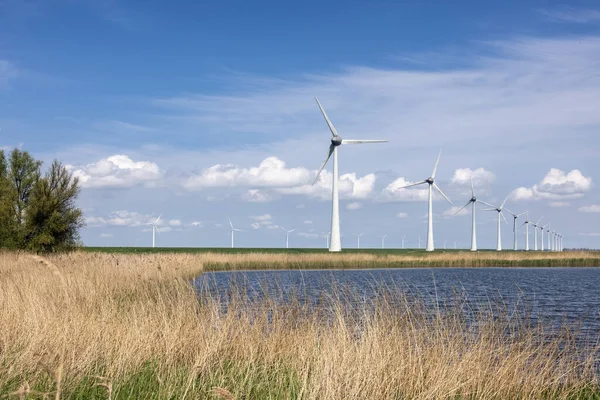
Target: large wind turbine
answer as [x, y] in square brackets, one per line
[431, 182]
[499, 210]
[535, 228]
[358, 239]
[383, 241]
[526, 223]
[287, 236]
[232, 231]
[472, 201]
[515, 217]
[336, 141]
[154, 229]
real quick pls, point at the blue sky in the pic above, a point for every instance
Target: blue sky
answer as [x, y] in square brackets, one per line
[205, 110]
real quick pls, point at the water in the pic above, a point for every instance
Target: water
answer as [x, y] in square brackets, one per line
[553, 296]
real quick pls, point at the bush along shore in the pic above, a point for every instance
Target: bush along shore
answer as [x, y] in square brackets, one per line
[114, 326]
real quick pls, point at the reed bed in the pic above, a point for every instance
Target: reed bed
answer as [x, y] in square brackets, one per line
[131, 327]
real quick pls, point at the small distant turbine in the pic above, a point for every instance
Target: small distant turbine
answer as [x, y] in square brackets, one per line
[419, 242]
[431, 182]
[358, 239]
[535, 230]
[383, 241]
[154, 229]
[499, 211]
[403, 237]
[336, 141]
[326, 235]
[526, 224]
[549, 232]
[287, 236]
[232, 231]
[542, 228]
[515, 217]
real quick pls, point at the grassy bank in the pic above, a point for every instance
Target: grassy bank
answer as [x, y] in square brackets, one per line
[252, 259]
[130, 326]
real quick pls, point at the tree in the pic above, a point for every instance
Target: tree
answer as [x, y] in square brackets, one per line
[52, 220]
[23, 173]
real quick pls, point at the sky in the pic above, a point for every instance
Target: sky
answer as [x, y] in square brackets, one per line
[201, 111]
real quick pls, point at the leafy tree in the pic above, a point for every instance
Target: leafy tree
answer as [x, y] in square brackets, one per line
[24, 172]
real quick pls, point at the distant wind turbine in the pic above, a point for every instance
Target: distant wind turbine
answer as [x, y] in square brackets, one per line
[549, 232]
[515, 217]
[535, 229]
[358, 240]
[472, 201]
[383, 241]
[232, 231]
[336, 141]
[327, 238]
[431, 182]
[287, 236]
[499, 211]
[154, 229]
[403, 237]
[526, 223]
[419, 242]
[542, 229]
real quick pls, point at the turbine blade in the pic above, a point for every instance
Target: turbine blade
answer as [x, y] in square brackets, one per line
[436, 165]
[413, 184]
[230, 223]
[331, 127]
[489, 209]
[465, 206]
[472, 188]
[282, 228]
[503, 217]
[525, 223]
[157, 219]
[503, 203]
[331, 149]
[442, 193]
[523, 213]
[539, 220]
[292, 230]
[237, 230]
[353, 141]
[511, 213]
[487, 204]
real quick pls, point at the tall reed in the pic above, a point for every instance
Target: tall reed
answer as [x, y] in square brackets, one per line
[131, 326]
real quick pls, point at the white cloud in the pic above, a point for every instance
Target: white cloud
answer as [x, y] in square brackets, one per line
[452, 210]
[197, 224]
[308, 235]
[558, 204]
[175, 222]
[349, 186]
[118, 171]
[480, 176]
[262, 221]
[7, 72]
[122, 218]
[573, 15]
[308, 222]
[556, 185]
[271, 172]
[593, 208]
[354, 206]
[259, 196]
[402, 215]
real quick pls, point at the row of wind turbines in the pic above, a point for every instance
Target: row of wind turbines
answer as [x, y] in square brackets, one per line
[554, 238]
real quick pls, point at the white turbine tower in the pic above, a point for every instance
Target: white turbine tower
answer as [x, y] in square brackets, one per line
[431, 182]
[515, 217]
[526, 224]
[336, 141]
[542, 229]
[383, 241]
[154, 229]
[232, 231]
[535, 229]
[472, 201]
[327, 238]
[549, 234]
[358, 239]
[499, 210]
[403, 237]
[287, 236]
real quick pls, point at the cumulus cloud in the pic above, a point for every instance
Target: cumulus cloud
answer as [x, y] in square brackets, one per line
[594, 208]
[402, 215]
[480, 176]
[259, 196]
[396, 191]
[572, 15]
[558, 204]
[263, 221]
[118, 171]
[557, 186]
[175, 222]
[197, 224]
[349, 186]
[122, 218]
[271, 172]
[354, 206]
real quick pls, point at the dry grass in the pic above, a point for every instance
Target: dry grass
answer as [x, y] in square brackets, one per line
[130, 326]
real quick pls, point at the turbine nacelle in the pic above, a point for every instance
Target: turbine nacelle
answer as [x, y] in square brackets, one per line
[336, 141]
[430, 180]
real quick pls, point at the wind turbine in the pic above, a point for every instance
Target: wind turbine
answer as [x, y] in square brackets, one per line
[445, 244]
[526, 223]
[431, 182]
[535, 228]
[403, 237]
[472, 201]
[287, 236]
[499, 210]
[336, 141]
[327, 236]
[358, 239]
[419, 242]
[154, 229]
[549, 232]
[542, 229]
[515, 217]
[383, 241]
[233, 230]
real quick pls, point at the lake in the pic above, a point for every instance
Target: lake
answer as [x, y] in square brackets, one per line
[550, 295]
